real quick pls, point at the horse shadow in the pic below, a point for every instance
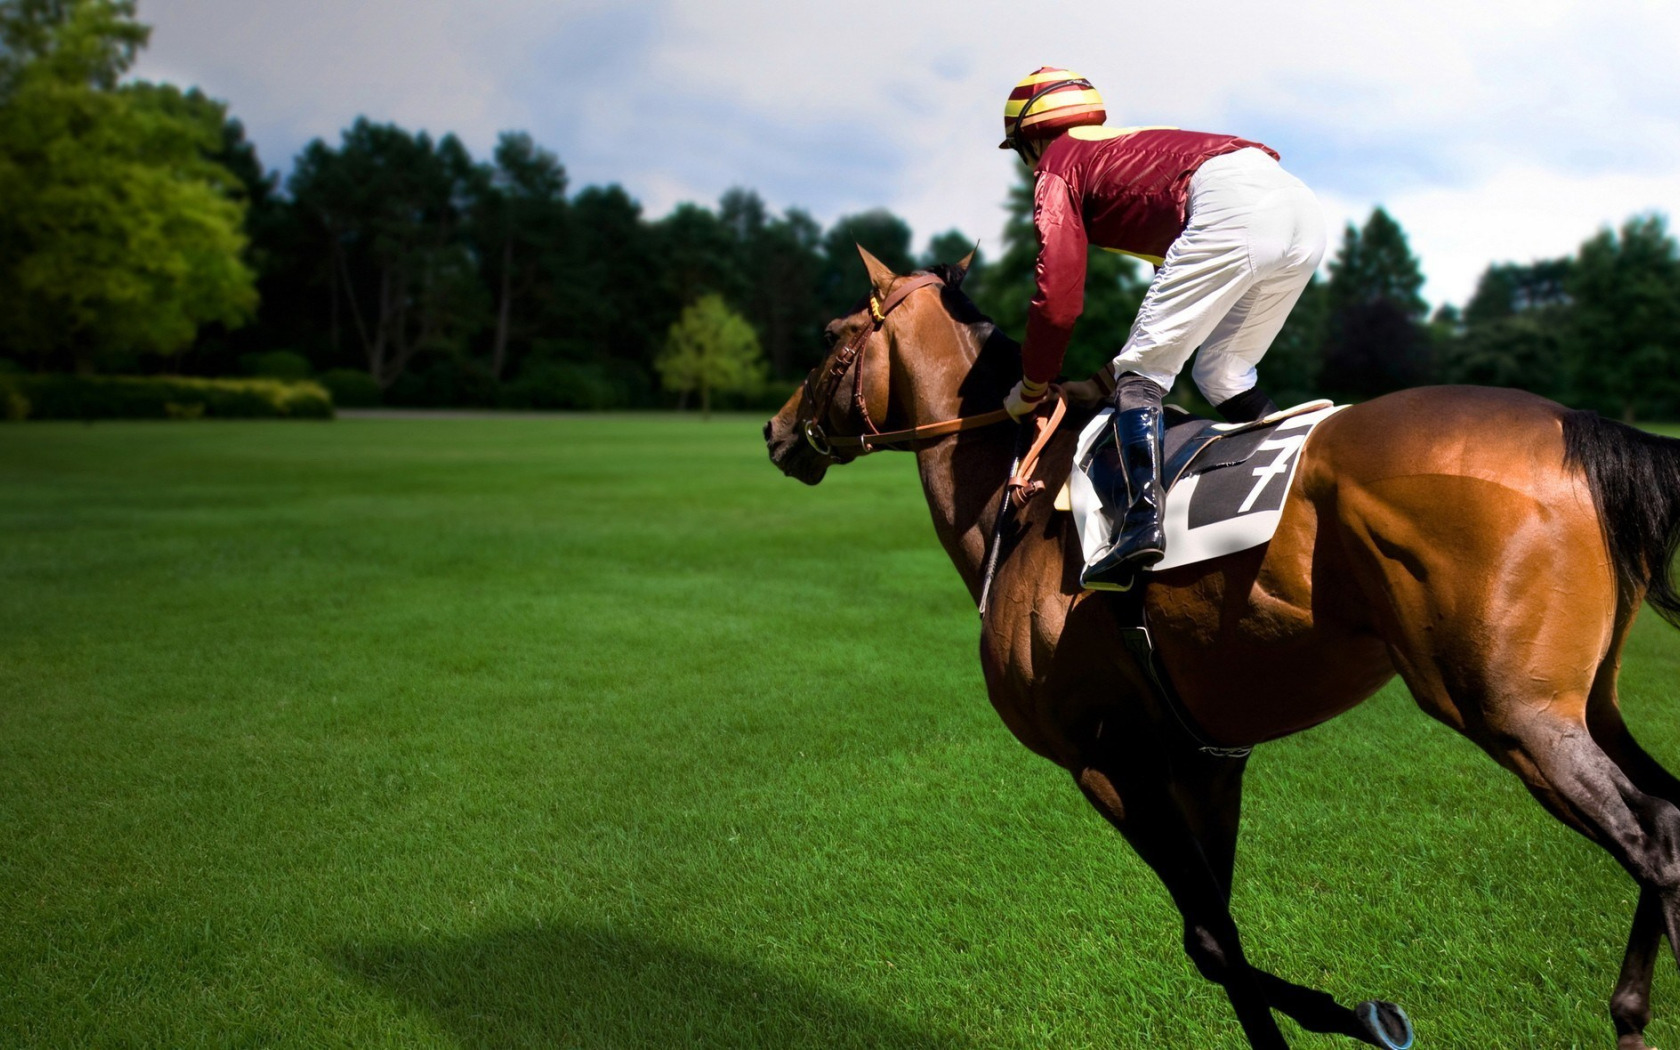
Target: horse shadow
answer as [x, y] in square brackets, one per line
[593, 988]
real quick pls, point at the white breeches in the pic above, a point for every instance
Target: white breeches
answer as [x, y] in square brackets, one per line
[1255, 236]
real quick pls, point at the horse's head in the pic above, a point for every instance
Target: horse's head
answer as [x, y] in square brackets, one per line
[831, 418]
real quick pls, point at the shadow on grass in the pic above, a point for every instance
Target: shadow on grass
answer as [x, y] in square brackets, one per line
[595, 988]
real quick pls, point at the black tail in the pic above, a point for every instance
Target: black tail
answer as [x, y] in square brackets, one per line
[1635, 482]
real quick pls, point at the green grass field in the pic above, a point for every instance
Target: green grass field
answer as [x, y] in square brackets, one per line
[599, 733]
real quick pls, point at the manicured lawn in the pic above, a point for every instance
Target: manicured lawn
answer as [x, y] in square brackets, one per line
[599, 733]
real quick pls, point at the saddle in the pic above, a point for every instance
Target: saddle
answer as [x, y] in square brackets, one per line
[1216, 504]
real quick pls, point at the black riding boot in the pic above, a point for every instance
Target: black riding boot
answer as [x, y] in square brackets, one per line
[1246, 407]
[1129, 485]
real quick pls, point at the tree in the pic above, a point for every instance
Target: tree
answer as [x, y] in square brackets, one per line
[388, 210]
[711, 347]
[89, 43]
[609, 302]
[790, 318]
[843, 280]
[521, 213]
[120, 235]
[950, 247]
[1511, 332]
[1507, 289]
[1374, 339]
[1624, 334]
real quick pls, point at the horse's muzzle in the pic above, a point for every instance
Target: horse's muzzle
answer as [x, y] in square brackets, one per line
[791, 450]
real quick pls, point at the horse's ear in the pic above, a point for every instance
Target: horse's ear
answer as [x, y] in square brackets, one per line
[967, 261]
[880, 276]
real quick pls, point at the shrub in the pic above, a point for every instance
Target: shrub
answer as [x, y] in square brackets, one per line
[591, 386]
[351, 388]
[276, 364]
[57, 396]
[442, 380]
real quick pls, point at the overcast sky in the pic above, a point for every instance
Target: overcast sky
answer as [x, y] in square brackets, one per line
[1490, 130]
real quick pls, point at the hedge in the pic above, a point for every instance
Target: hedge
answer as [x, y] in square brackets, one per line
[58, 396]
[351, 388]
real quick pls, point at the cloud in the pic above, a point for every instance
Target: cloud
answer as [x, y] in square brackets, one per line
[1489, 129]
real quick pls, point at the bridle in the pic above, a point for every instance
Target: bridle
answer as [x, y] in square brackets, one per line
[1019, 487]
[850, 359]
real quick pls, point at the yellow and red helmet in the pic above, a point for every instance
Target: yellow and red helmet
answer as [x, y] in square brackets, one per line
[1048, 102]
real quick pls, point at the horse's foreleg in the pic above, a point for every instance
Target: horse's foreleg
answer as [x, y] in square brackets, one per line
[1209, 789]
[1143, 809]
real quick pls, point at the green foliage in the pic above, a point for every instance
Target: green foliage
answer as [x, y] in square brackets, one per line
[387, 212]
[843, 280]
[1375, 264]
[277, 364]
[711, 348]
[588, 386]
[520, 220]
[1507, 289]
[1598, 330]
[351, 388]
[1625, 321]
[951, 247]
[74, 42]
[1524, 351]
[61, 396]
[1374, 341]
[120, 236]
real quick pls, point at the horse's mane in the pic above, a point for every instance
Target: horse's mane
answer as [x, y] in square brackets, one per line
[997, 358]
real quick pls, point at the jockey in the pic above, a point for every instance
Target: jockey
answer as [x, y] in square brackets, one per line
[1234, 239]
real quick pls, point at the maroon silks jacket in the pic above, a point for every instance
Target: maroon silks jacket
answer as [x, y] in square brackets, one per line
[1125, 189]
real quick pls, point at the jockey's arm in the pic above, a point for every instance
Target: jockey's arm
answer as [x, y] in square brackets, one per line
[1060, 296]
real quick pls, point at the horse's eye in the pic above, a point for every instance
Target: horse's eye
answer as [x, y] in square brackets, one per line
[831, 335]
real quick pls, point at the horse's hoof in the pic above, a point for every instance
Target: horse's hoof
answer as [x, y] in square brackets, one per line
[1389, 1026]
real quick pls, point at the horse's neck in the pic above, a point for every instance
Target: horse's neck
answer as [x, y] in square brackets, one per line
[962, 475]
[963, 479]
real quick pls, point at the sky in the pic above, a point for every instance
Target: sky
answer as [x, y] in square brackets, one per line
[1491, 130]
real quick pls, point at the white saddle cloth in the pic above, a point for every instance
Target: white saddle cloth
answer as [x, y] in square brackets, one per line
[1231, 504]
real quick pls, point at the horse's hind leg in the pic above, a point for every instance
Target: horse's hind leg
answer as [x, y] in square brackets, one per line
[1630, 1004]
[1504, 620]
[1546, 741]
[1582, 785]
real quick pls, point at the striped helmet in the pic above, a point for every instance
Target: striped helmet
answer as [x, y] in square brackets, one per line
[1047, 102]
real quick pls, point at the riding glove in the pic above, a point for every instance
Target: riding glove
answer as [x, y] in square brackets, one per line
[1024, 397]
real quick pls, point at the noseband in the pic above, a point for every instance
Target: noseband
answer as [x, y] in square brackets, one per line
[821, 400]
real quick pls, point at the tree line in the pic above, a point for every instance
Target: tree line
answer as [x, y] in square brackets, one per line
[142, 234]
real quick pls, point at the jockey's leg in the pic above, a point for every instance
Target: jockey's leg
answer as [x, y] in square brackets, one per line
[1285, 237]
[1204, 274]
[1126, 475]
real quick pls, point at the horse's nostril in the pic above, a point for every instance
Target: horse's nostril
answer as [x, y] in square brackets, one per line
[767, 423]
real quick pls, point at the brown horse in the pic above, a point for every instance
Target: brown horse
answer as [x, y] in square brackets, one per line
[1489, 546]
